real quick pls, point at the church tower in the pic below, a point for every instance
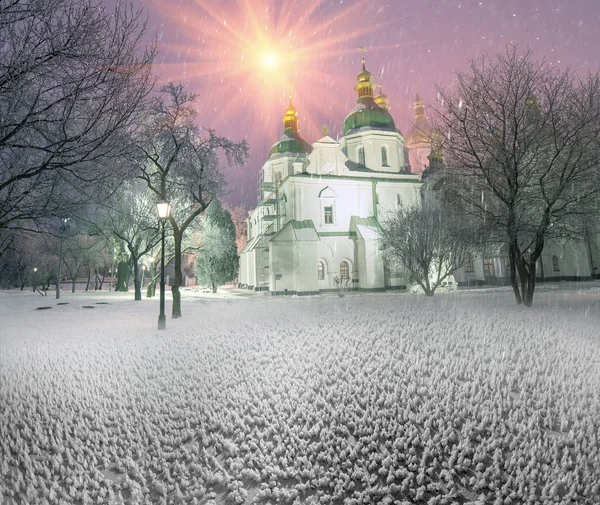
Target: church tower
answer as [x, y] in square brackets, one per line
[419, 139]
[370, 139]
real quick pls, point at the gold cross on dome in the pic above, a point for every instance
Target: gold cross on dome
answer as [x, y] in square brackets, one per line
[290, 88]
[363, 50]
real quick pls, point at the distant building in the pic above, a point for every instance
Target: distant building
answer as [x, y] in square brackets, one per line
[418, 141]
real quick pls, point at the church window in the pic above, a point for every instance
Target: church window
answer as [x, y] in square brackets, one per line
[320, 271]
[469, 265]
[278, 178]
[328, 214]
[384, 158]
[555, 264]
[398, 200]
[344, 270]
[488, 267]
[361, 156]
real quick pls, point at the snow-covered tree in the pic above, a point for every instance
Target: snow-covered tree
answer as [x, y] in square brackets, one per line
[181, 165]
[425, 241]
[73, 78]
[521, 150]
[131, 217]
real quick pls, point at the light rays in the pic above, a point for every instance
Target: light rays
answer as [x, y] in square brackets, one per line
[240, 55]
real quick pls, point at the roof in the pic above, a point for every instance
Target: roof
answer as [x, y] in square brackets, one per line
[367, 114]
[366, 221]
[302, 230]
[250, 245]
[367, 228]
[290, 142]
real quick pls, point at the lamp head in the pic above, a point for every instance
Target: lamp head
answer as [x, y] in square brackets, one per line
[164, 209]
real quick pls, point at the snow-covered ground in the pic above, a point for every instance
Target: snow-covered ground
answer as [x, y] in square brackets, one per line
[364, 399]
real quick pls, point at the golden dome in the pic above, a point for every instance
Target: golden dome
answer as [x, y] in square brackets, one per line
[290, 116]
[382, 100]
[364, 83]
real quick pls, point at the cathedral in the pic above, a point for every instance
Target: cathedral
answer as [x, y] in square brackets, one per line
[315, 227]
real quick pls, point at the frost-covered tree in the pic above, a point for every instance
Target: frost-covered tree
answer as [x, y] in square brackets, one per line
[181, 165]
[425, 242]
[521, 151]
[130, 216]
[73, 78]
[217, 258]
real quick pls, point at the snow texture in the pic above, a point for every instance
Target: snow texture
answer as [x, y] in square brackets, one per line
[399, 399]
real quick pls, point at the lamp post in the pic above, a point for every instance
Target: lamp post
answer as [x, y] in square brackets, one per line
[164, 211]
[112, 267]
[62, 230]
[34, 278]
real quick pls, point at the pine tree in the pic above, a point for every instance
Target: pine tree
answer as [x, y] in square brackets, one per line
[217, 260]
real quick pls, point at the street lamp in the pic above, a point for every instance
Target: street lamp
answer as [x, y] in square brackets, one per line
[164, 211]
[34, 278]
[62, 230]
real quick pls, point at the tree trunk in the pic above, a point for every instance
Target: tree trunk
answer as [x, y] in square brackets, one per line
[529, 286]
[122, 276]
[214, 288]
[151, 289]
[137, 282]
[89, 279]
[176, 311]
[513, 251]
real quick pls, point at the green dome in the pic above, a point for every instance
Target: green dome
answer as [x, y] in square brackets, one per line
[290, 142]
[367, 114]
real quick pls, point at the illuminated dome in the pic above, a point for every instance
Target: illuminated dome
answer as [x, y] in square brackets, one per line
[367, 113]
[421, 132]
[290, 142]
[382, 101]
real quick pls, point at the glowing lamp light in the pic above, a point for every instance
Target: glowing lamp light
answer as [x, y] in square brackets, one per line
[164, 209]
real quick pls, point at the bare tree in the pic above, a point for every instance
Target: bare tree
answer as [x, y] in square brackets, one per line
[425, 242]
[182, 166]
[130, 217]
[73, 78]
[521, 149]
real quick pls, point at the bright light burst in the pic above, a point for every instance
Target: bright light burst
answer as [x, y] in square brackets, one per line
[270, 59]
[242, 55]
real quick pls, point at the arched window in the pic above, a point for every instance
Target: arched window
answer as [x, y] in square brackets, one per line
[469, 265]
[384, 159]
[320, 271]
[488, 267]
[361, 156]
[398, 200]
[555, 264]
[344, 270]
[278, 178]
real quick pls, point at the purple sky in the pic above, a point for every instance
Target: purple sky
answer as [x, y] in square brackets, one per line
[241, 55]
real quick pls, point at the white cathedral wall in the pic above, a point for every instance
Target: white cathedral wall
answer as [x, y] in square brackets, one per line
[327, 159]
[573, 260]
[372, 142]
[332, 251]
[293, 266]
[352, 198]
[243, 273]
[370, 268]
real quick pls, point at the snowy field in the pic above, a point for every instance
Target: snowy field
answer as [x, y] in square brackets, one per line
[463, 398]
